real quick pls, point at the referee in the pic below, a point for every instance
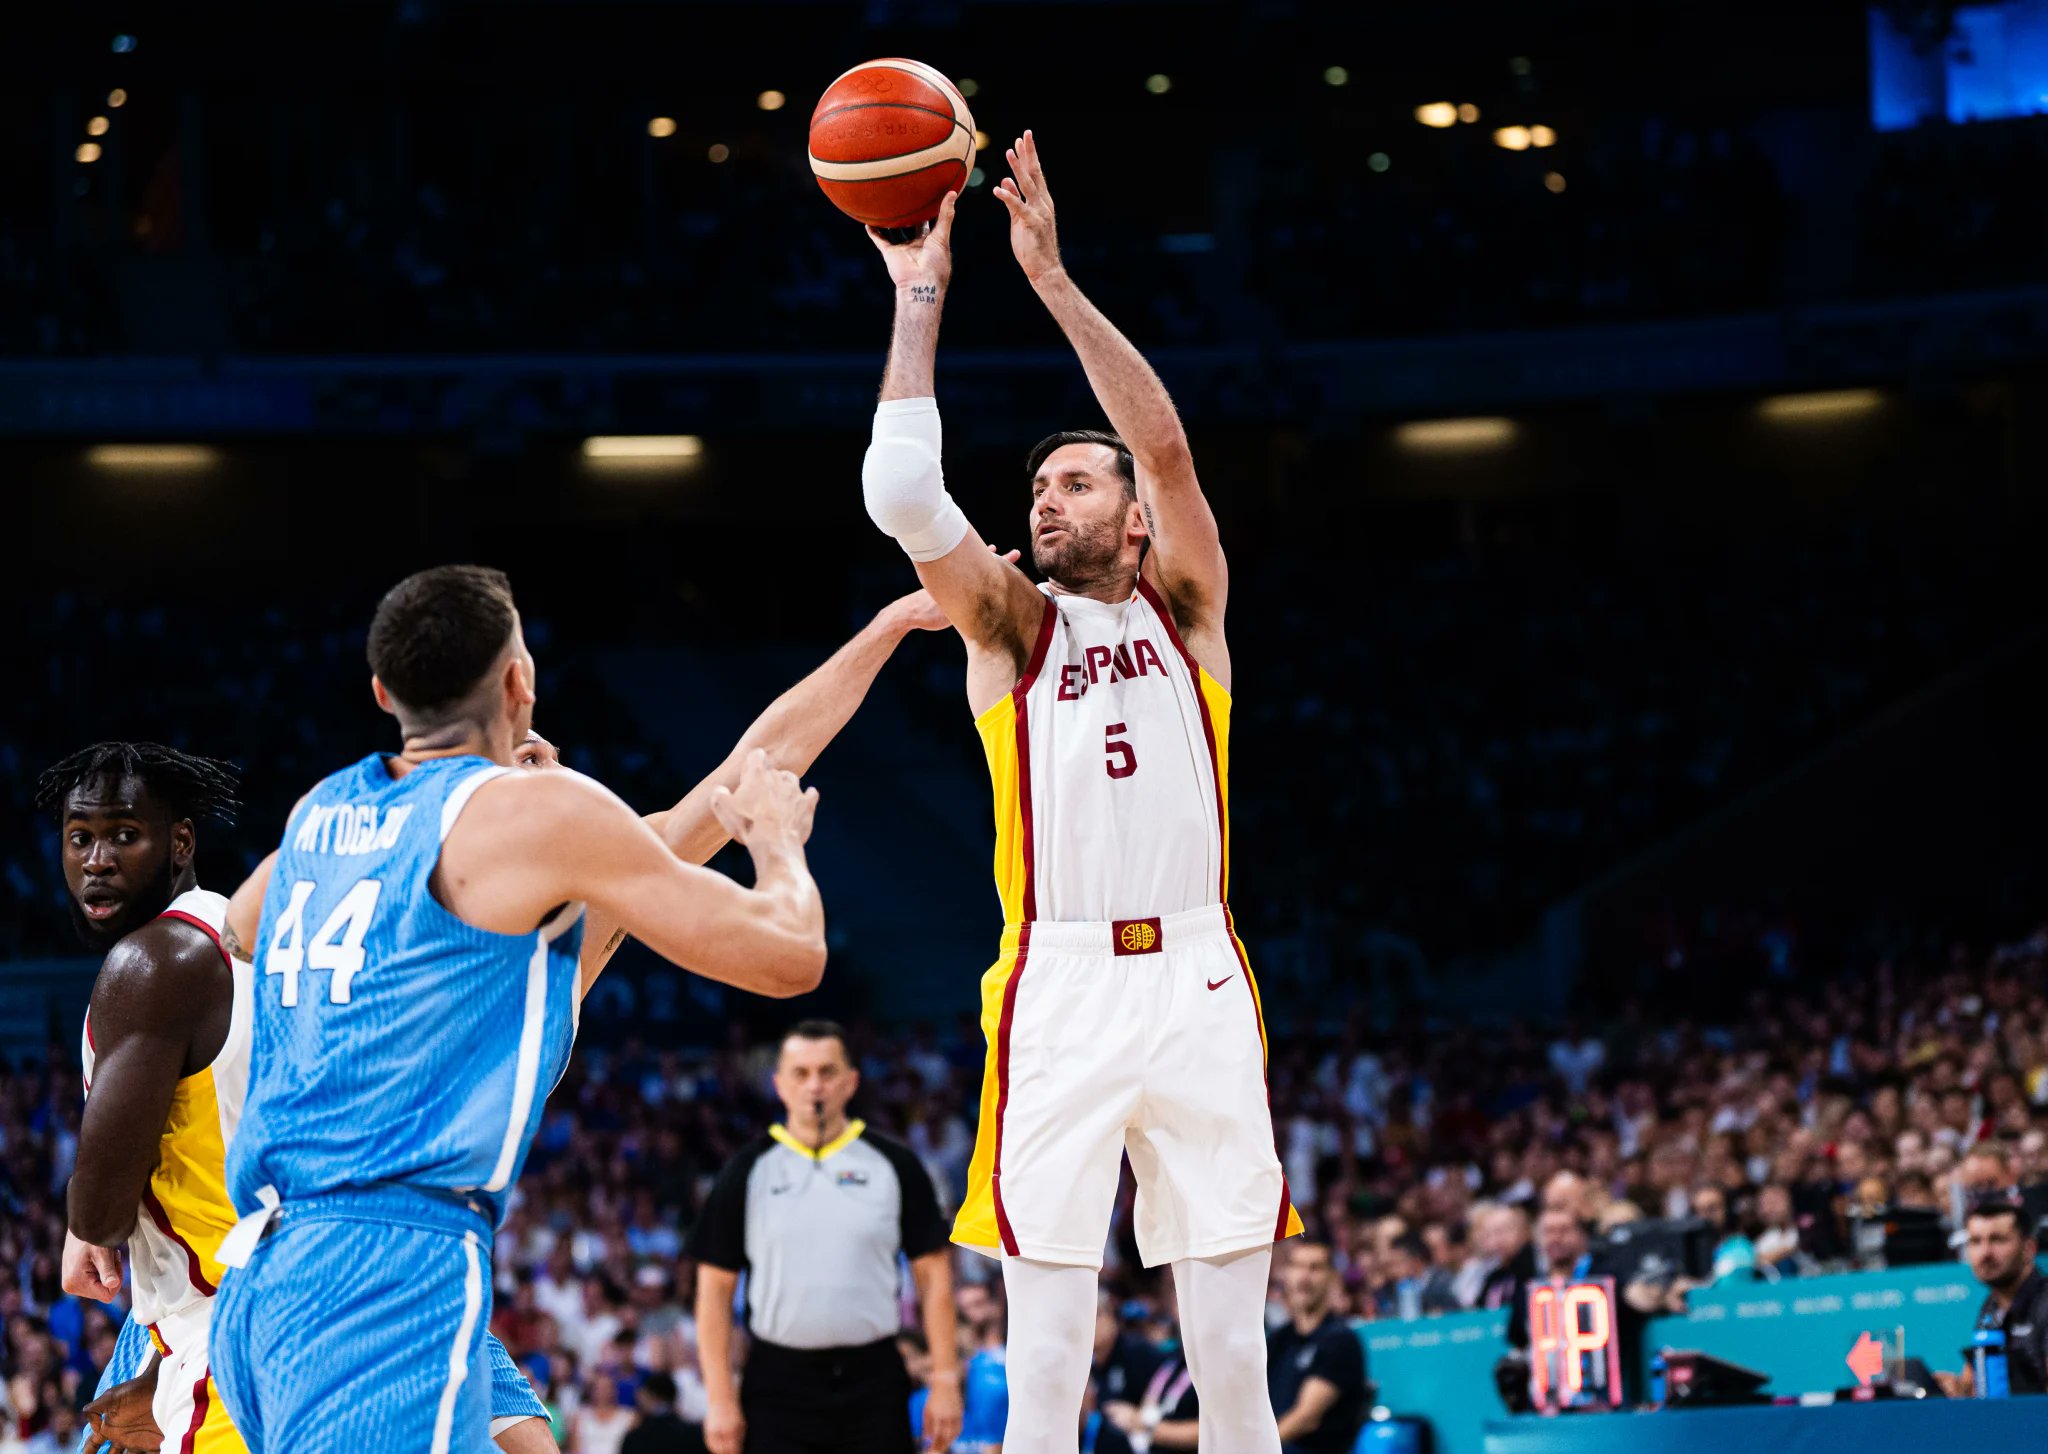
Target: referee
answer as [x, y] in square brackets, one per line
[815, 1213]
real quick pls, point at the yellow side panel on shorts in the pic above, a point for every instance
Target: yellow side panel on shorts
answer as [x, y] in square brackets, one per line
[1293, 1224]
[998, 729]
[218, 1434]
[190, 1180]
[975, 1224]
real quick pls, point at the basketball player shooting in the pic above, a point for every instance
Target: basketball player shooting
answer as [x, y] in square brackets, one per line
[1120, 1013]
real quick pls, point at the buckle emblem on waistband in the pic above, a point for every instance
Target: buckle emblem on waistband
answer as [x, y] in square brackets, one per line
[1136, 936]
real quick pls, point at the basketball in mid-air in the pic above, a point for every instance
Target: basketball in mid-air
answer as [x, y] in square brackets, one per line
[889, 140]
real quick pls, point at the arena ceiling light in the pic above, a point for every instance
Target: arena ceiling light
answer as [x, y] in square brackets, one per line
[1834, 404]
[152, 456]
[1438, 114]
[1445, 435]
[643, 446]
[1513, 138]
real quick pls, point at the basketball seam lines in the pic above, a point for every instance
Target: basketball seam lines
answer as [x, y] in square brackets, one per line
[869, 106]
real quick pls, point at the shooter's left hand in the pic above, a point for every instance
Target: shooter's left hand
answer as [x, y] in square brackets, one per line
[1033, 235]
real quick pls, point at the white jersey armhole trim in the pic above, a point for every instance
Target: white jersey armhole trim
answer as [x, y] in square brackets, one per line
[526, 1069]
[458, 798]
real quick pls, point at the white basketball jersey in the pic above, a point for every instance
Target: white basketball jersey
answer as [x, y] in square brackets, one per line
[1110, 767]
[173, 1253]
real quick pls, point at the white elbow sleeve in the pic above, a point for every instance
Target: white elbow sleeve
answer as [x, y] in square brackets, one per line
[903, 484]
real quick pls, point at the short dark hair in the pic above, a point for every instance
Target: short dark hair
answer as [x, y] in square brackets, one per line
[437, 632]
[1126, 465]
[1413, 1245]
[2001, 1205]
[199, 788]
[818, 1030]
[659, 1387]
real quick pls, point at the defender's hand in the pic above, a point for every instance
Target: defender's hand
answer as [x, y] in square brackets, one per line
[767, 802]
[928, 261]
[121, 1419]
[919, 612]
[90, 1272]
[1033, 236]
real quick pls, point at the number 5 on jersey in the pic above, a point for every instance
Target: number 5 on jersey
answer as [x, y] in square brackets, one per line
[1123, 758]
[337, 947]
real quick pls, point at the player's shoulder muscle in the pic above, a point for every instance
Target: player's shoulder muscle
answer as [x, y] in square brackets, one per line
[161, 974]
[521, 808]
[553, 825]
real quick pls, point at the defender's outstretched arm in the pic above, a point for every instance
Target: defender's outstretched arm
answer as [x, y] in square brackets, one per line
[529, 842]
[796, 727]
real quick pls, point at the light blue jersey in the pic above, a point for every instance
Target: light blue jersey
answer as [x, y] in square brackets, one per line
[395, 1044]
[399, 1062]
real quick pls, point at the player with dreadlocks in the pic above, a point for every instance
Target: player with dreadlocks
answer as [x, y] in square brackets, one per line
[166, 1052]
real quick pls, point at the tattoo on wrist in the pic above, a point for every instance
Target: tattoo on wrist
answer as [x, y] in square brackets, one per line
[231, 943]
[924, 292]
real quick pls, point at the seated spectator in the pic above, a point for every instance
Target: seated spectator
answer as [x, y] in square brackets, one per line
[1986, 1170]
[1916, 1190]
[1315, 1363]
[1413, 1288]
[1734, 1254]
[1777, 1238]
[660, 1429]
[600, 1424]
[1506, 1243]
[2001, 1251]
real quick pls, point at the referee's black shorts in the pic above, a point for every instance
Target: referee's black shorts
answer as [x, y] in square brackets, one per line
[826, 1400]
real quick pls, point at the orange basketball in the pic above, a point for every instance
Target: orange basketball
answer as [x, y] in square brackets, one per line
[889, 140]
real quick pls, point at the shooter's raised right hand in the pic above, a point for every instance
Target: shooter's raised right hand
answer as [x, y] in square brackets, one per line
[768, 801]
[923, 267]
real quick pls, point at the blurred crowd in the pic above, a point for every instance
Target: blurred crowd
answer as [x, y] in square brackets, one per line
[469, 245]
[1487, 734]
[1440, 1166]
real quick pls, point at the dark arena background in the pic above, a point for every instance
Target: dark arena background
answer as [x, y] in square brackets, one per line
[1628, 424]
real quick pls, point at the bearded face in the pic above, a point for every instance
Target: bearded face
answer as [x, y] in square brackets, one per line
[1080, 518]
